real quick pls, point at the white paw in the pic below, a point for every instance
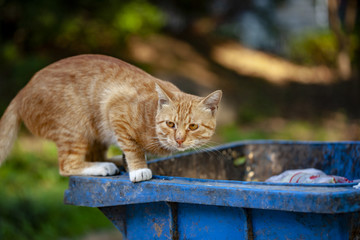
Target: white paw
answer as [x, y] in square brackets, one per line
[139, 175]
[101, 169]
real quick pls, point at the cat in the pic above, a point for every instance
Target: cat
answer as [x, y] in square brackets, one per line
[86, 103]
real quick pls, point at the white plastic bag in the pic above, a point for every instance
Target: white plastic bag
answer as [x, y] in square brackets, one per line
[309, 175]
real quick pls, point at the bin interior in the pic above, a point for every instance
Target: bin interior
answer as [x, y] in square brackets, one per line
[259, 160]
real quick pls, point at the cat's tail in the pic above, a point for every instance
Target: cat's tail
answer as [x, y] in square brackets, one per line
[9, 128]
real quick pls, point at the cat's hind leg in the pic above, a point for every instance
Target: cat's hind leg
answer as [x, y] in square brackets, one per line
[74, 160]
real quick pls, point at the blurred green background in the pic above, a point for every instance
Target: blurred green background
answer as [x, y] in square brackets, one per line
[288, 69]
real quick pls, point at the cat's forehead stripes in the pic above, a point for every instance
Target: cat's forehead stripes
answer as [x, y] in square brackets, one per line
[184, 111]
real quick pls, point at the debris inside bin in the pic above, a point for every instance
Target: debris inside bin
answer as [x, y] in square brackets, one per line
[309, 175]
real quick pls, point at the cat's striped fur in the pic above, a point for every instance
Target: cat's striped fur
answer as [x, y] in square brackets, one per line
[87, 102]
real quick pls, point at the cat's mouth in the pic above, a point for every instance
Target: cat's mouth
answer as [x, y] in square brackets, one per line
[181, 148]
[175, 147]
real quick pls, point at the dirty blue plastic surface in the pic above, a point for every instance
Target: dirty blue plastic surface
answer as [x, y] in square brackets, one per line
[183, 206]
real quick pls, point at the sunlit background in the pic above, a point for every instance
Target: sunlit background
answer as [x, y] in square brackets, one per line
[289, 69]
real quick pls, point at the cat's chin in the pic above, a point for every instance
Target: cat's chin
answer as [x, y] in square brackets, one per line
[177, 149]
[181, 149]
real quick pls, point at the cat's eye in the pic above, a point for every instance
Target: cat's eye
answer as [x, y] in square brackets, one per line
[193, 126]
[170, 124]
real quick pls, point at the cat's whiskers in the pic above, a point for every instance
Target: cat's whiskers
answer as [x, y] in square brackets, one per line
[212, 149]
[200, 150]
[206, 147]
[162, 141]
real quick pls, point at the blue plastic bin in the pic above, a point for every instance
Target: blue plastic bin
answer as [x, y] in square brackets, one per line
[219, 194]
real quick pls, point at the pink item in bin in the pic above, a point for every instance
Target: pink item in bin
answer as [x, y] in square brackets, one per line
[309, 175]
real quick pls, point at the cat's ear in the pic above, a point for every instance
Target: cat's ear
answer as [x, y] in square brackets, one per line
[164, 99]
[212, 101]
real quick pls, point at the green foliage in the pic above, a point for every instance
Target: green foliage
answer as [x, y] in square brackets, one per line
[232, 133]
[319, 48]
[138, 17]
[32, 191]
[45, 216]
[74, 26]
[36, 33]
[314, 48]
[114, 151]
[25, 68]
[239, 161]
[10, 52]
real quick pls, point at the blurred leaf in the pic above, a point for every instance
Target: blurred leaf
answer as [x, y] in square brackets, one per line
[114, 151]
[139, 17]
[239, 161]
[10, 52]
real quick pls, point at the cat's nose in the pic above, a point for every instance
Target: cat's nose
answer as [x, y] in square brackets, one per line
[180, 141]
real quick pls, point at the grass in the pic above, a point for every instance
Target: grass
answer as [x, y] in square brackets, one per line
[31, 203]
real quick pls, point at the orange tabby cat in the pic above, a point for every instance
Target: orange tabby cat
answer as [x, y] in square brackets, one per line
[87, 102]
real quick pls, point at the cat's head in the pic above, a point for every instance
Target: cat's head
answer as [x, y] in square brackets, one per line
[185, 121]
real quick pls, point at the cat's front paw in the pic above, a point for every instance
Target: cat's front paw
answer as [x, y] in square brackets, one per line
[141, 174]
[101, 169]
